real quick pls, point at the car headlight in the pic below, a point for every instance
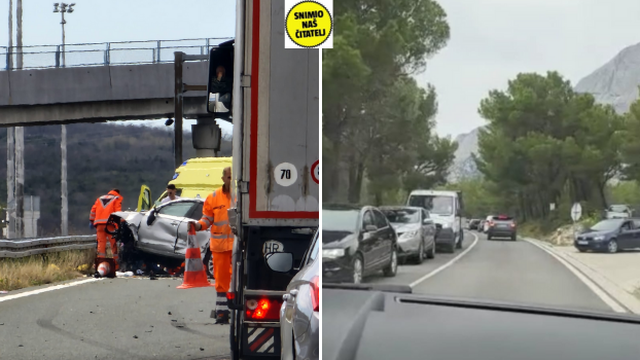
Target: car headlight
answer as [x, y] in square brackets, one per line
[598, 238]
[333, 253]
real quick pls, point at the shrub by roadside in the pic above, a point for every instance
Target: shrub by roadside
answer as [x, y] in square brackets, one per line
[45, 269]
[557, 235]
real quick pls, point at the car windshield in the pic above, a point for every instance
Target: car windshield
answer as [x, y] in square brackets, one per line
[617, 208]
[607, 225]
[402, 216]
[340, 220]
[435, 204]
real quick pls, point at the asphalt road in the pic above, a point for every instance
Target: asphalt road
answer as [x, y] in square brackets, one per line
[126, 318]
[499, 270]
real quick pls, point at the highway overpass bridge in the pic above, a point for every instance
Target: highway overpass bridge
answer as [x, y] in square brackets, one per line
[100, 82]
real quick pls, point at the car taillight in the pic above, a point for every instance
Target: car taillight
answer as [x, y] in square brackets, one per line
[490, 223]
[513, 224]
[315, 293]
[263, 309]
[231, 295]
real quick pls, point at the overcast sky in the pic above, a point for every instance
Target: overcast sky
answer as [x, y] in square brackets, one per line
[493, 40]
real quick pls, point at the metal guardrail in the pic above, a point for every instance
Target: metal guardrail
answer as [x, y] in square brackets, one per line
[28, 247]
[107, 53]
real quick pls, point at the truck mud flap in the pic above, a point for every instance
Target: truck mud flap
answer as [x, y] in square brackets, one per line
[261, 341]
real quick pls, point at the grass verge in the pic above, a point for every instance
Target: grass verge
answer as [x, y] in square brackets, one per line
[45, 269]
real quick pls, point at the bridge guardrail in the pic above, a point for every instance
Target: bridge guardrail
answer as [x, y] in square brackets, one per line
[107, 53]
[26, 247]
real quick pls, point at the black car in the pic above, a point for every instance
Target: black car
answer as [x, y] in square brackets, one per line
[356, 242]
[610, 235]
[502, 226]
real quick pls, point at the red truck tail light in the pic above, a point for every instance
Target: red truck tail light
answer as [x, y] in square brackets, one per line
[231, 295]
[263, 309]
[315, 293]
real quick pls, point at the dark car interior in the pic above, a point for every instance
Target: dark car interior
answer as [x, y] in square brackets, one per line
[367, 324]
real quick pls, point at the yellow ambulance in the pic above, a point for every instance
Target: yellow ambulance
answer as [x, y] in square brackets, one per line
[195, 178]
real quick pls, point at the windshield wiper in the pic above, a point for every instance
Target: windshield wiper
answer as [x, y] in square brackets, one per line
[403, 289]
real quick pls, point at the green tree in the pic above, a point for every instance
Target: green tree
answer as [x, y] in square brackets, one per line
[545, 143]
[374, 115]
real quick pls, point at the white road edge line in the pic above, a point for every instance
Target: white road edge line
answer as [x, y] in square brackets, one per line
[447, 264]
[613, 304]
[47, 289]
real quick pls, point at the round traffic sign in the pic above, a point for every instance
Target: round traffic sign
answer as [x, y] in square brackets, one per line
[576, 211]
[315, 171]
[285, 174]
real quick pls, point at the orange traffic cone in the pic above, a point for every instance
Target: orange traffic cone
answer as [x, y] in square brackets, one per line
[194, 274]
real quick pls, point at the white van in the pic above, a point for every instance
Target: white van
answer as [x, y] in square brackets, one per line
[445, 208]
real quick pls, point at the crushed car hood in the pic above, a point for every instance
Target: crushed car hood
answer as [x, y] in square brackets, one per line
[133, 220]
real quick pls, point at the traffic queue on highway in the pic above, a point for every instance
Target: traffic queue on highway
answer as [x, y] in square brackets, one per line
[361, 241]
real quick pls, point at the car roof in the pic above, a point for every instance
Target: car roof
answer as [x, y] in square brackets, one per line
[399, 207]
[434, 192]
[342, 207]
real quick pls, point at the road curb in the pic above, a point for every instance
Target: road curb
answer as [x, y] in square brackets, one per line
[623, 298]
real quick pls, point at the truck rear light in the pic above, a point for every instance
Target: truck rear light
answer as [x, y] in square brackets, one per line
[263, 309]
[231, 295]
[315, 293]
[490, 223]
[513, 224]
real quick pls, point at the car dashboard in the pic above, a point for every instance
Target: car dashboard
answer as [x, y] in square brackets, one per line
[370, 324]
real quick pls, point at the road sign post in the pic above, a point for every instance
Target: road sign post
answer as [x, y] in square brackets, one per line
[576, 214]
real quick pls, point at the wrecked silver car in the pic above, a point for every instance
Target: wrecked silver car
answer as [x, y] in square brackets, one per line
[159, 235]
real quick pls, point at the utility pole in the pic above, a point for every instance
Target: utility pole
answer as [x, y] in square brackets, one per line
[11, 199]
[10, 52]
[19, 138]
[64, 209]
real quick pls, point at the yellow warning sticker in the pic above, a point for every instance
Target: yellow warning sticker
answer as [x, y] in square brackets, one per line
[309, 24]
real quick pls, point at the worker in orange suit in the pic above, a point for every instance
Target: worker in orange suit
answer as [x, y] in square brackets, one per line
[214, 215]
[102, 208]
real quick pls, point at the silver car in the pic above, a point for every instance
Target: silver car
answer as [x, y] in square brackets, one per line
[161, 232]
[416, 232]
[300, 311]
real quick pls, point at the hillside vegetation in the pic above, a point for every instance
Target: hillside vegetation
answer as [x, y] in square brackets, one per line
[100, 157]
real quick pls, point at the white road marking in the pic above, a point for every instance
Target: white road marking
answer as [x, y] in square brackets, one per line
[47, 289]
[613, 304]
[447, 264]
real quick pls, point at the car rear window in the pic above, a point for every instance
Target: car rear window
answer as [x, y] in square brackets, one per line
[502, 218]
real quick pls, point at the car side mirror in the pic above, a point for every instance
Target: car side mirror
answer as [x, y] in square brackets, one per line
[152, 217]
[279, 262]
[427, 221]
[370, 228]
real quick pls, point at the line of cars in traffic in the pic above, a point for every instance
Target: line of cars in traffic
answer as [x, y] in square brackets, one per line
[359, 241]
